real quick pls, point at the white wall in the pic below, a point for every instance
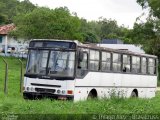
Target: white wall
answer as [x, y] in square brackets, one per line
[12, 41]
[129, 47]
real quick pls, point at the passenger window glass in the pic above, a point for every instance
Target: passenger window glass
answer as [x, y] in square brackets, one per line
[144, 65]
[83, 66]
[151, 66]
[94, 60]
[106, 61]
[135, 64]
[116, 62]
[126, 63]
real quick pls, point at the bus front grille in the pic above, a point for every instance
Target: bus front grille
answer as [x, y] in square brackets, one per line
[43, 90]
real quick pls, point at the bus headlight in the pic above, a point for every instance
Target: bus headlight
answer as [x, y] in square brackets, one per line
[58, 91]
[27, 88]
[63, 91]
[32, 89]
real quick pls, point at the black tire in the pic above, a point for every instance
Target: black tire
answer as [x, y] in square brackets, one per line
[91, 96]
[28, 97]
[133, 94]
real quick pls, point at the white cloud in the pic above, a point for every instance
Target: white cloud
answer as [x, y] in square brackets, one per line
[123, 11]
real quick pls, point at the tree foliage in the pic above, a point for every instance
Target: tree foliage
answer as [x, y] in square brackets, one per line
[148, 33]
[11, 8]
[154, 6]
[95, 31]
[111, 30]
[47, 23]
[39, 22]
[61, 24]
[89, 31]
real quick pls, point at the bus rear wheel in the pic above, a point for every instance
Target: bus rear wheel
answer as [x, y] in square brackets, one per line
[134, 94]
[92, 94]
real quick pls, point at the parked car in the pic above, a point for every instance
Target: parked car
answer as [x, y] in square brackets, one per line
[9, 49]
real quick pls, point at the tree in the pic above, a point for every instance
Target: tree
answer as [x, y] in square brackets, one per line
[11, 8]
[3, 19]
[110, 30]
[38, 22]
[89, 31]
[154, 6]
[45, 23]
[148, 34]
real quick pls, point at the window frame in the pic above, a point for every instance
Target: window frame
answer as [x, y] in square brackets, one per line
[154, 66]
[120, 70]
[110, 62]
[143, 65]
[121, 67]
[89, 58]
[130, 61]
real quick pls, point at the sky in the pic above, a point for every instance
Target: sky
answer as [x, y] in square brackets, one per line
[124, 12]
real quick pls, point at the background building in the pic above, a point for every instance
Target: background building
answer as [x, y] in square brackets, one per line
[118, 44]
[7, 42]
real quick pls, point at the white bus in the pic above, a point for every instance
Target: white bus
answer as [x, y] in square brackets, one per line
[70, 70]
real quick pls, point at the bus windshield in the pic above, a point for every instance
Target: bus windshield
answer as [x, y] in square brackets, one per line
[51, 63]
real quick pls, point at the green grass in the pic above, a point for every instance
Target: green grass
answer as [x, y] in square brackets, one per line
[13, 102]
[18, 105]
[158, 83]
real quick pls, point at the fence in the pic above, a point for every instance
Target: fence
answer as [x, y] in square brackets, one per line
[20, 55]
[6, 75]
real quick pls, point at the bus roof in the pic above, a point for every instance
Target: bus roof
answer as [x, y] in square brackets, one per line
[75, 41]
[94, 46]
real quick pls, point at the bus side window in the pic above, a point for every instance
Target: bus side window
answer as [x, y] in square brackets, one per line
[135, 64]
[126, 63]
[106, 61]
[83, 65]
[94, 60]
[144, 65]
[116, 62]
[151, 66]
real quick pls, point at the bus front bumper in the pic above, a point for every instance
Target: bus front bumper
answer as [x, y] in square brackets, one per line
[37, 95]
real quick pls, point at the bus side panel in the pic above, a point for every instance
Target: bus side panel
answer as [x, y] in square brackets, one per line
[108, 84]
[103, 83]
[145, 84]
